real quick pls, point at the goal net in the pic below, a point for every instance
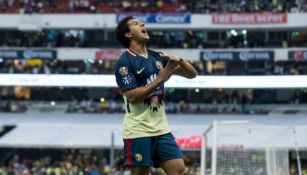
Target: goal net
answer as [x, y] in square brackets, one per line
[246, 148]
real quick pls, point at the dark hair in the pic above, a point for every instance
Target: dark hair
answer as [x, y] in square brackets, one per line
[121, 29]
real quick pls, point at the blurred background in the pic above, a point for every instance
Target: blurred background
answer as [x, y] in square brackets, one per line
[60, 109]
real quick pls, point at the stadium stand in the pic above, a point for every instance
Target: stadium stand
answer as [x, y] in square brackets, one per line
[54, 162]
[41, 66]
[165, 6]
[43, 37]
[160, 38]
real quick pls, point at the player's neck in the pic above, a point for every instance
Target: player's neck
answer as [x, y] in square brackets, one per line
[139, 49]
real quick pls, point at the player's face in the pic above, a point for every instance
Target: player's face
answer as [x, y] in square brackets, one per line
[138, 31]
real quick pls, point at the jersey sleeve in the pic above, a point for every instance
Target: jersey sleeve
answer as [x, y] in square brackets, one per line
[125, 77]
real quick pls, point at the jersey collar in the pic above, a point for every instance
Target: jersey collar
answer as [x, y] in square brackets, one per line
[134, 54]
[131, 53]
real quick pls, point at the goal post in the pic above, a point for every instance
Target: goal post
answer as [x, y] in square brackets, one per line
[247, 148]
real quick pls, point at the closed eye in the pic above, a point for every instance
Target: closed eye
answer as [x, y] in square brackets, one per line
[135, 23]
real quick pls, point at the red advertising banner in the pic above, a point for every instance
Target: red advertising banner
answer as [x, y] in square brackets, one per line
[194, 141]
[108, 54]
[249, 18]
[298, 55]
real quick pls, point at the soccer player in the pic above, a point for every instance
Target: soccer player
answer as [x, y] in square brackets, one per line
[140, 74]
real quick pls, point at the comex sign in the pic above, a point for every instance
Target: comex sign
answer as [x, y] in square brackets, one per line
[237, 55]
[176, 18]
[173, 18]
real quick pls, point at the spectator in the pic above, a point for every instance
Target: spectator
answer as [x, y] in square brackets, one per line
[244, 104]
[107, 6]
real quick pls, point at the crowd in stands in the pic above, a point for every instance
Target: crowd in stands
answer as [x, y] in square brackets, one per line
[182, 107]
[154, 6]
[13, 106]
[91, 162]
[55, 66]
[62, 162]
[245, 6]
[159, 38]
[109, 100]
[74, 162]
[112, 106]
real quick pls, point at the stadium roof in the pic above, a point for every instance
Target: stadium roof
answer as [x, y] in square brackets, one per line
[59, 136]
[94, 131]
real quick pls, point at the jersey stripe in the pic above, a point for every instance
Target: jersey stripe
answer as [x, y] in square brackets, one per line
[128, 151]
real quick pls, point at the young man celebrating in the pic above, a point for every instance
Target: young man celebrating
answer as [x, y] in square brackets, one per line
[140, 74]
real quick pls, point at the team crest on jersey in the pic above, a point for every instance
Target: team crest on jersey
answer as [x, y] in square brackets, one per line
[159, 65]
[123, 70]
[138, 157]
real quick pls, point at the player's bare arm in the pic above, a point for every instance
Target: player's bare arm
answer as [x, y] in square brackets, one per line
[141, 93]
[184, 68]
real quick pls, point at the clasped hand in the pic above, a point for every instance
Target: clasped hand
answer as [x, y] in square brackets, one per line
[172, 65]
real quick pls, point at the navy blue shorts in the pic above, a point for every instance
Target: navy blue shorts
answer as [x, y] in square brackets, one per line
[150, 151]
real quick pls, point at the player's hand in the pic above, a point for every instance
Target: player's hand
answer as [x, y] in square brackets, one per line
[166, 72]
[170, 57]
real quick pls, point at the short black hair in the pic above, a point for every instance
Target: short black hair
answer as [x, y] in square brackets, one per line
[121, 29]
